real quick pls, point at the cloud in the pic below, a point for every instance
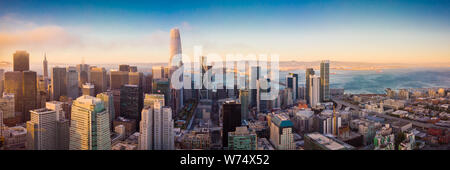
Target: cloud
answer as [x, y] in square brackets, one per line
[185, 26]
[9, 22]
[39, 36]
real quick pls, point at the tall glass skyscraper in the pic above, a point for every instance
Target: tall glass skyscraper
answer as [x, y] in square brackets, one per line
[325, 80]
[308, 72]
[89, 127]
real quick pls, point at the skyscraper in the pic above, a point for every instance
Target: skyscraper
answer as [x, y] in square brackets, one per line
[98, 79]
[2, 72]
[62, 123]
[168, 141]
[175, 46]
[176, 95]
[124, 67]
[243, 98]
[107, 98]
[156, 128]
[118, 79]
[88, 89]
[133, 69]
[146, 129]
[29, 93]
[59, 83]
[21, 61]
[7, 107]
[41, 129]
[231, 112]
[129, 102]
[158, 72]
[324, 80]
[89, 127]
[14, 86]
[254, 77]
[1, 124]
[314, 90]
[292, 82]
[83, 71]
[281, 134]
[137, 78]
[45, 63]
[72, 83]
[22, 83]
[295, 84]
[308, 72]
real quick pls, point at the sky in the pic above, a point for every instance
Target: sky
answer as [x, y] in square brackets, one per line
[382, 31]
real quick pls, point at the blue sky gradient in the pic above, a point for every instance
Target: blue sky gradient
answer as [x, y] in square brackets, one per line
[373, 31]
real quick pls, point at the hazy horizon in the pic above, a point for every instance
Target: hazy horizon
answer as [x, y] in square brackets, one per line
[412, 32]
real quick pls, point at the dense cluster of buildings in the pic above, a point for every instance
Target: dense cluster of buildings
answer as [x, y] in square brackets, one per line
[86, 107]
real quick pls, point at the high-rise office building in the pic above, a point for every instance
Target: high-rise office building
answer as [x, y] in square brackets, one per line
[146, 129]
[42, 93]
[281, 134]
[176, 95]
[88, 89]
[242, 139]
[168, 141]
[308, 72]
[108, 100]
[83, 74]
[29, 93]
[45, 63]
[137, 78]
[58, 107]
[158, 72]
[129, 102]
[314, 90]
[254, 77]
[243, 98]
[21, 61]
[1, 124]
[59, 83]
[41, 130]
[116, 101]
[324, 80]
[118, 79]
[161, 87]
[175, 46]
[290, 83]
[7, 106]
[72, 83]
[231, 112]
[2, 72]
[89, 127]
[99, 79]
[133, 69]
[14, 86]
[124, 67]
[156, 128]
[148, 83]
[22, 83]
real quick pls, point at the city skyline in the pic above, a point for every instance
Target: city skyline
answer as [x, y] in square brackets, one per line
[376, 32]
[262, 100]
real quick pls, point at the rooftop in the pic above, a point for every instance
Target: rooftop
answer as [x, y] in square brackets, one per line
[328, 142]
